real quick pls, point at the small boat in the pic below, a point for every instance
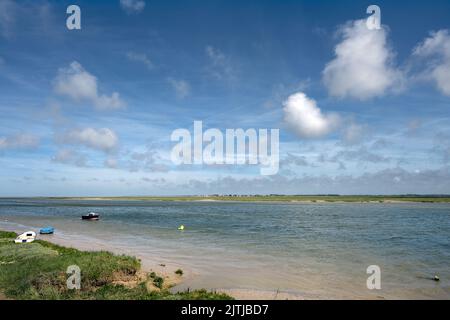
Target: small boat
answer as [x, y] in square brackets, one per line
[26, 237]
[47, 230]
[91, 216]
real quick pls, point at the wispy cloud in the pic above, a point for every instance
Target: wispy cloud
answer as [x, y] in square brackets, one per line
[72, 157]
[7, 17]
[148, 160]
[354, 133]
[181, 87]
[19, 141]
[140, 58]
[132, 6]
[220, 65]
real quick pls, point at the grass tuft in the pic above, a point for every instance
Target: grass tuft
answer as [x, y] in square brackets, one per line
[179, 272]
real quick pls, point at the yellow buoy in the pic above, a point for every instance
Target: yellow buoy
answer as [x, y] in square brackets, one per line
[181, 227]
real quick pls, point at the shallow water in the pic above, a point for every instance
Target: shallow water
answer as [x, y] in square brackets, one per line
[313, 250]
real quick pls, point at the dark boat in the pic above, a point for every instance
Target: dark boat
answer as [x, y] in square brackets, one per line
[91, 216]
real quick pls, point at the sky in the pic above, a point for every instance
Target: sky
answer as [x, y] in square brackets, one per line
[91, 112]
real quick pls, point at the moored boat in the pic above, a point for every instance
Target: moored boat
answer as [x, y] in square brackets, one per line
[91, 216]
[26, 237]
[47, 230]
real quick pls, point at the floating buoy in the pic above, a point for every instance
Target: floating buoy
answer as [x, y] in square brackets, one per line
[181, 227]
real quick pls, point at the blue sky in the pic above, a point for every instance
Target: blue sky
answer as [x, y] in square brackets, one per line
[91, 111]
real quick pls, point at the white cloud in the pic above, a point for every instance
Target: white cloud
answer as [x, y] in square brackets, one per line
[78, 84]
[362, 68]
[437, 47]
[132, 6]
[70, 157]
[19, 141]
[142, 58]
[103, 139]
[306, 119]
[181, 87]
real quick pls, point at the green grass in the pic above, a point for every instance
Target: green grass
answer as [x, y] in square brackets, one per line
[38, 271]
[7, 234]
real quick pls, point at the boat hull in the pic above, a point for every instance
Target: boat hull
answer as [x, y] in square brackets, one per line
[46, 231]
[89, 218]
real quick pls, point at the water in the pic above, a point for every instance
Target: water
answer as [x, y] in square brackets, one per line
[317, 250]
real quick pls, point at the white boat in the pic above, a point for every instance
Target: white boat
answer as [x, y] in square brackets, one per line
[26, 237]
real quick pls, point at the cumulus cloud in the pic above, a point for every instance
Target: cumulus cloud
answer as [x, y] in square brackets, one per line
[281, 90]
[437, 48]
[362, 67]
[132, 6]
[181, 87]
[78, 84]
[303, 116]
[19, 141]
[67, 156]
[141, 58]
[103, 139]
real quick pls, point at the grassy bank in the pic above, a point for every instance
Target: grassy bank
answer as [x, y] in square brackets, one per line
[38, 271]
[277, 198]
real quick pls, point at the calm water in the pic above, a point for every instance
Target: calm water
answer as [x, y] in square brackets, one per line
[314, 250]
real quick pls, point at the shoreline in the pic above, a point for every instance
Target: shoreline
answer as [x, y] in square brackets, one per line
[167, 270]
[96, 245]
